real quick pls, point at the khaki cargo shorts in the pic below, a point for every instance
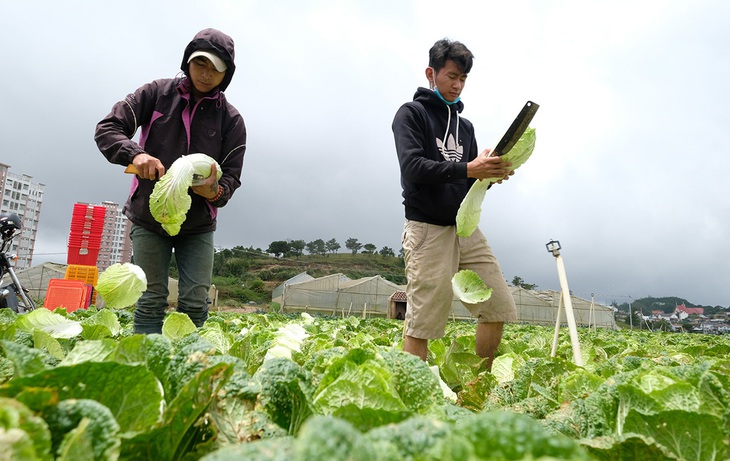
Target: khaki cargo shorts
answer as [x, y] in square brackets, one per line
[433, 254]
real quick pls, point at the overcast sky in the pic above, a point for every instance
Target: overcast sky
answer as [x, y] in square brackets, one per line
[629, 171]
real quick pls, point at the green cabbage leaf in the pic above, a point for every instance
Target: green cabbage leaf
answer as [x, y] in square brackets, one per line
[470, 210]
[54, 324]
[121, 285]
[469, 287]
[170, 199]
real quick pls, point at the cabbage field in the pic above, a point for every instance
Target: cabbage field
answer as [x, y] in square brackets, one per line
[81, 386]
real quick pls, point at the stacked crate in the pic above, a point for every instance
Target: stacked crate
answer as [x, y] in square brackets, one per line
[69, 294]
[84, 243]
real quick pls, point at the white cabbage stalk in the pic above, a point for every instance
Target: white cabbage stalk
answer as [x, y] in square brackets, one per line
[170, 199]
[470, 210]
[449, 394]
[289, 338]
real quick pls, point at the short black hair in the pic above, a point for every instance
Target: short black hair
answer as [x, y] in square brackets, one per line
[445, 49]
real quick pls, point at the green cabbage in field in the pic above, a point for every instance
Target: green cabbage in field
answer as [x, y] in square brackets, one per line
[23, 434]
[351, 392]
[470, 210]
[121, 285]
[170, 200]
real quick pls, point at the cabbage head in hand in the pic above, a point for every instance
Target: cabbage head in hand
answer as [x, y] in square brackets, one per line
[170, 199]
[470, 210]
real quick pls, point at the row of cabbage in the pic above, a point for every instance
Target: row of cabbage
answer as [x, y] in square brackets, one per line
[268, 386]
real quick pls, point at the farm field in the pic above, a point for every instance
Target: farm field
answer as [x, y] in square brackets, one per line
[80, 385]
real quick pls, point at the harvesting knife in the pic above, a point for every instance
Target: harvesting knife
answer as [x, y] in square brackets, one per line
[518, 127]
[197, 178]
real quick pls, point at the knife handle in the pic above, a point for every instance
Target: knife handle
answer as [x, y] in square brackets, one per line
[130, 169]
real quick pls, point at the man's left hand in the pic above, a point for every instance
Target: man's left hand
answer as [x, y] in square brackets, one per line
[209, 187]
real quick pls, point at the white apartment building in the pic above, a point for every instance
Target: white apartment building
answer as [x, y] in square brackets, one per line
[22, 196]
[116, 247]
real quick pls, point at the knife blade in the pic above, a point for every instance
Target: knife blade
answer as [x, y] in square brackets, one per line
[516, 129]
[198, 179]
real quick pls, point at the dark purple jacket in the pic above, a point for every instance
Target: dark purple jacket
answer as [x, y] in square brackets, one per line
[171, 126]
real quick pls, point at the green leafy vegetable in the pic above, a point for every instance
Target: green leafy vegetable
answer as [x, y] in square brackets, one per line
[328, 437]
[55, 325]
[467, 218]
[469, 287]
[177, 325]
[101, 325]
[26, 361]
[170, 199]
[141, 401]
[84, 423]
[514, 436]
[23, 435]
[354, 394]
[286, 392]
[121, 285]
[183, 421]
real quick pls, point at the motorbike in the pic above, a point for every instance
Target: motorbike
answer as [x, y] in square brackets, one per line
[12, 295]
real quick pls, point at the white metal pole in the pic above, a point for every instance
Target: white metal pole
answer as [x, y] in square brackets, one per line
[557, 327]
[569, 311]
[592, 314]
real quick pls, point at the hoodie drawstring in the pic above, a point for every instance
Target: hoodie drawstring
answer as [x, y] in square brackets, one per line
[446, 134]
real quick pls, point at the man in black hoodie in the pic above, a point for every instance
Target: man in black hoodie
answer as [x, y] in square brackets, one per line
[439, 162]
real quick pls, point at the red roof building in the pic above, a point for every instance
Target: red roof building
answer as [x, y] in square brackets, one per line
[690, 310]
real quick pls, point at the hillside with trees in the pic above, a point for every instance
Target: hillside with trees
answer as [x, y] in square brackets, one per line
[666, 305]
[246, 276]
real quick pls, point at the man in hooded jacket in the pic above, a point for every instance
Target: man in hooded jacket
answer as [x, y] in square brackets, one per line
[175, 117]
[439, 162]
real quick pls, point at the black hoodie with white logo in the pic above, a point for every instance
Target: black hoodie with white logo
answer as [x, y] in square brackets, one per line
[433, 144]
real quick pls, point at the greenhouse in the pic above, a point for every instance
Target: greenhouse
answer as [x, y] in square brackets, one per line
[36, 278]
[377, 297]
[337, 294]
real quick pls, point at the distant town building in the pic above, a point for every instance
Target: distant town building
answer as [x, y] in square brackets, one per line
[690, 310]
[22, 196]
[116, 247]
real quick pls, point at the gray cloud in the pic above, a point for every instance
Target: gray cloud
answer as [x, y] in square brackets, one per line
[626, 174]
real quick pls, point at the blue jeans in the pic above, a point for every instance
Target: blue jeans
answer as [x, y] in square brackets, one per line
[194, 258]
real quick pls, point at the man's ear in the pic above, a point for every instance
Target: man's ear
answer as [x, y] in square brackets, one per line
[431, 77]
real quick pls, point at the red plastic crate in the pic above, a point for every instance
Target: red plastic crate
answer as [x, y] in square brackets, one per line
[88, 229]
[69, 294]
[85, 208]
[85, 256]
[84, 242]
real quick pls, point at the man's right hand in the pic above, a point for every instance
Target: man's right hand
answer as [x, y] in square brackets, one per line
[484, 166]
[148, 167]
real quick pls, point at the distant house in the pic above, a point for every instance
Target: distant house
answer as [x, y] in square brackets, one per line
[660, 315]
[690, 310]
